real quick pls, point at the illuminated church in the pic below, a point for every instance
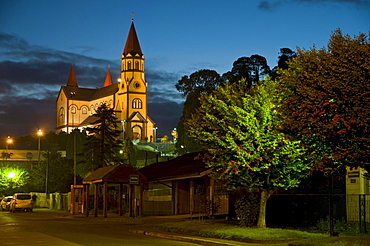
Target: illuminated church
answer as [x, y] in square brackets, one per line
[128, 97]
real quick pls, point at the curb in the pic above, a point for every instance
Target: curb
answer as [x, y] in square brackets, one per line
[183, 238]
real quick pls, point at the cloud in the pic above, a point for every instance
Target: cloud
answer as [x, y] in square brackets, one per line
[270, 5]
[31, 77]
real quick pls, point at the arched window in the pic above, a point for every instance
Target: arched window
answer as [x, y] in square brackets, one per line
[137, 103]
[84, 110]
[61, 117]
[137, 65]
[129, 65]
[73, 110]
[136, 132]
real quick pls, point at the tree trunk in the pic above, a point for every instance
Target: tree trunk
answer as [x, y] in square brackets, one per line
[265, 194]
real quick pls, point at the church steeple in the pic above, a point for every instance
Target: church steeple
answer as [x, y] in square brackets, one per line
[108, 78]
[72, 80]
[132, 43]
[132, 65]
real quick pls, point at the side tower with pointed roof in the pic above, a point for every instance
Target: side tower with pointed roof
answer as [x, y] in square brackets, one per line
[128, 97]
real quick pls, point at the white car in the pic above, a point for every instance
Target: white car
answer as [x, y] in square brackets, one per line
[22, 201]
[5, 202]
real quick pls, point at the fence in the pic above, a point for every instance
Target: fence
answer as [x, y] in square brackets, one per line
[305, 210]
[56, 201]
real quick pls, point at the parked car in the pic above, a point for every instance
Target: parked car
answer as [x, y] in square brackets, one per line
[5, 202]
[22, 201]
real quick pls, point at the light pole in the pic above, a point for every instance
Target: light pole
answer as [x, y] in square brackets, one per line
[155, 134]
[39, 134]
[8, 141]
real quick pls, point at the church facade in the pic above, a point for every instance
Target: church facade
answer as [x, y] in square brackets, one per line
[75, 106]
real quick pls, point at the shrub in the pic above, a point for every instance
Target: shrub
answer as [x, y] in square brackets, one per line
[247, 209]
[340, 226]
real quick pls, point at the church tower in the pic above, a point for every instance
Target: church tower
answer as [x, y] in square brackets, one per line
[76, 106]
[133, 91]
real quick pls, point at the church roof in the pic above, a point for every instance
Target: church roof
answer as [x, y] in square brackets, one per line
[87, 94]
[108, 79]
[132, 43]
[72, 80]
[105, 91]
[76, 93]
[89, 120]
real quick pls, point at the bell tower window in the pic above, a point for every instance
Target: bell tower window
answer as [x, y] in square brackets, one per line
[137, 103]
[129, 65]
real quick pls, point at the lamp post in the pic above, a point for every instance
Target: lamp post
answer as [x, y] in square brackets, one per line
[39, 134]
[155, 134]
[8, 141]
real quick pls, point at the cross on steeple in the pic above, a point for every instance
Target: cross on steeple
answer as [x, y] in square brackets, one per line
[133, 14]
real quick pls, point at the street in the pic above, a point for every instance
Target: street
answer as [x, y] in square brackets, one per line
[46, 227]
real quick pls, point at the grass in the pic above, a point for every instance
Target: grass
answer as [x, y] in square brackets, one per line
[217, 229]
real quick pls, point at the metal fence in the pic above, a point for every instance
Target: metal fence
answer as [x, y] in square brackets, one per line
[305, 210]
[358, 210]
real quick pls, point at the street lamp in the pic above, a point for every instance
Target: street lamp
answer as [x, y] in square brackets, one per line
[11, 175]
[155, 134]
[39, 134]
[8, 141]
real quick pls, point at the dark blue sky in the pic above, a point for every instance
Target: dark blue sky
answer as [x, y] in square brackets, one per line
[39, 40]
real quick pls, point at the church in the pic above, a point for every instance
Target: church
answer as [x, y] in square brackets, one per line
[75, 106]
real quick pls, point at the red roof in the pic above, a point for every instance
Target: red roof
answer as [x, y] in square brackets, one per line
[108, 79]
[132, 43]
[72, 80]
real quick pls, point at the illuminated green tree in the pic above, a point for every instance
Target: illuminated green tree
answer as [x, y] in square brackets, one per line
[12, 178]
[327, 100]
[238, 128]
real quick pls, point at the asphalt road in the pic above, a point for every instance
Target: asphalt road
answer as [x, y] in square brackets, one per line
[44, 227]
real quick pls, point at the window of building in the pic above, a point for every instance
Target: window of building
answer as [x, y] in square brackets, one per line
[137, 65]
[73, 110]
[129, 65]
[137, 103]
[84, 110]
[61, 117]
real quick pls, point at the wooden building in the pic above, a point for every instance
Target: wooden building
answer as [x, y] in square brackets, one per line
[182, 186]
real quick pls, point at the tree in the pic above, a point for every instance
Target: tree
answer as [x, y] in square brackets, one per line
[13, 178]
[252, 69]
[102, 145]
[54, 171]
[327, 100]
[238, 128]
[198, 83]
[285, 56]
[259, 68]
[239, 71]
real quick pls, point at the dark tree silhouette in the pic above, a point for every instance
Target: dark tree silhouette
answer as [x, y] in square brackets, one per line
[102, 145]
[198, 83]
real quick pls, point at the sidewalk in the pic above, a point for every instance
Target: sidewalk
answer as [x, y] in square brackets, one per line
[149, 226]
[202, 240]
